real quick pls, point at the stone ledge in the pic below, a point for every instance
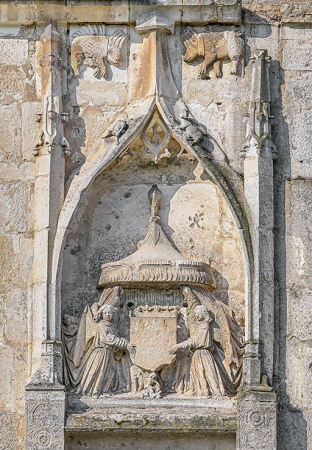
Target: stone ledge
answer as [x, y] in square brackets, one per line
[159, 416]
[196, 12]
[152, 420]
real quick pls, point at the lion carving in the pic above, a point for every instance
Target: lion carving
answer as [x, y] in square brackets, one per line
[214, 48]
[94, 49]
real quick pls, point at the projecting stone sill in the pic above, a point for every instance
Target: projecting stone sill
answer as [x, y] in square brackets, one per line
[151, 415]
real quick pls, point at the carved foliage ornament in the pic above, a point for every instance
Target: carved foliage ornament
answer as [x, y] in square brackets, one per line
[213, 48]
[92, 47]
[155, 138]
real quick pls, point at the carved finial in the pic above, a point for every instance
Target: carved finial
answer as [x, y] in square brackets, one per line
[258, 121]
[154, 196]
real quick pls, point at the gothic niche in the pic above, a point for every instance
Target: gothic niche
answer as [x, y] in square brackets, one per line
[188, 345]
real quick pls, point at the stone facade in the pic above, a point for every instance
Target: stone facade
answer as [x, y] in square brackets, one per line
[155, 226]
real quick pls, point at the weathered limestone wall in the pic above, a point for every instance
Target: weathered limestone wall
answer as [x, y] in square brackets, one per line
[285, 29]
[17, 104]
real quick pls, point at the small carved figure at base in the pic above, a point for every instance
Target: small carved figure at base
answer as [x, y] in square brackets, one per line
[137, 380]
[151, 386]
[144, 383]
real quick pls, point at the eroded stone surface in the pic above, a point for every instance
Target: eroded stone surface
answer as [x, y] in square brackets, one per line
[91, 118]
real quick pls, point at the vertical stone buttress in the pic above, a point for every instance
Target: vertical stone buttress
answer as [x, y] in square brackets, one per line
[45, 394]
[257, 401]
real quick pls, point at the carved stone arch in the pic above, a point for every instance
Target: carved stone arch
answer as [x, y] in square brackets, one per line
[219, 172]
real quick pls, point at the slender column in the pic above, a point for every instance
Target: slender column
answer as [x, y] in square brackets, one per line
[45, 396]
[257, 401]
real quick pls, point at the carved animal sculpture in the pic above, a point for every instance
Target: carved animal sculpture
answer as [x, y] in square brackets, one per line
[118, 130]
[189, 128]
[96, 50]
[214, 48]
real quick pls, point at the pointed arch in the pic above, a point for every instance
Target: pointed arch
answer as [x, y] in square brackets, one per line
[138, 118]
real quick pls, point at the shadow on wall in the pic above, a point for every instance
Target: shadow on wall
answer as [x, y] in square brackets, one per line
[291, 424]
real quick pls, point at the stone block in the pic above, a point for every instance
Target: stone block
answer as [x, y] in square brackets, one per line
[296, 32]
[15, 312]
[298, 371]
[44, 421]
[15, 206]
[12, 428]
[13, 51]
[6, 373]
[10, 128]
[8, 269]
[298, 88]
[257, 421]
[296, 12]
[149, 441]
[300, 315]
[30, 128]
[297, 55]
[299, 262]
[301, 149]
[298, 207]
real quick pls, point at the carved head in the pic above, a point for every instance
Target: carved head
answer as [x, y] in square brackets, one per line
[191, 45]
[114, 52]
[201, 313]
[109, 313]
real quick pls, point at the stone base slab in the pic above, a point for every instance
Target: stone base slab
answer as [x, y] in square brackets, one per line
[148, 415]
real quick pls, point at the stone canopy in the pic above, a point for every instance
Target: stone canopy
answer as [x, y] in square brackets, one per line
[148, 267]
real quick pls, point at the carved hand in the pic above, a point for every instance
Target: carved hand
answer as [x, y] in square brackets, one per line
[173, 350]
[131, 349]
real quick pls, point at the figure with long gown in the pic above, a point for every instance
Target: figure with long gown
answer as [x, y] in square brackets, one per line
[102, 373]
[208, 376]
[99, 363]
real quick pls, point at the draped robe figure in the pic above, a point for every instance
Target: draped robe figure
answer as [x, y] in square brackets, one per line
[208, 374]
[97, 364]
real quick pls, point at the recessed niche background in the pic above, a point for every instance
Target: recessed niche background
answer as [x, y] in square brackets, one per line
[115, 214]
